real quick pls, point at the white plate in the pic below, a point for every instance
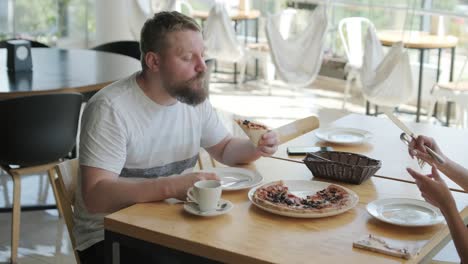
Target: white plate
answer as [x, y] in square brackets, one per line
[232, 174]
[193, 209]
[405, 212]
[343, 135]
[303, 188]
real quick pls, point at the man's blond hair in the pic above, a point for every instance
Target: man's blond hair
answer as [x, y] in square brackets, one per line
[153, 36]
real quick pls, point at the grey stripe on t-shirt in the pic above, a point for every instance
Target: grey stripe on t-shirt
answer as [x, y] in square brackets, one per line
[161, 171]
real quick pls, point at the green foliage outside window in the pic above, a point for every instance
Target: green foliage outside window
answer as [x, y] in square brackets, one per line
[49, 20]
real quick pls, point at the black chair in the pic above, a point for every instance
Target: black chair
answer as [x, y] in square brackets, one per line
[37, 133]
[125, 47]
[34, 44]
[128, 48]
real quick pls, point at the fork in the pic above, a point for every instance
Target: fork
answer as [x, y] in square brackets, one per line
[407, 139]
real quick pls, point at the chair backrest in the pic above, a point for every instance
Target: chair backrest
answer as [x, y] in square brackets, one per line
[66, 182]
[298, 59]
[34, 44]
[38, 129]
[184, 7]
[126, 47]
[462, 71]
[352, 32]
[220, 37]
[286, 20]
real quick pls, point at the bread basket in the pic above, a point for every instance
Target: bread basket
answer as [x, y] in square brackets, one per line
[342, 166]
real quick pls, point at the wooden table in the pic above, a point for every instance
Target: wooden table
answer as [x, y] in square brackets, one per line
[385, 145]
[56, 70]
[422, 41]
[249, 235]
[235, 16]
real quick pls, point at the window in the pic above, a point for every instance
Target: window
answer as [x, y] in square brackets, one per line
[72, 23]
[47, 21]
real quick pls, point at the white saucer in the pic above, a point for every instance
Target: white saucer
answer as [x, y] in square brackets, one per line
[193, 209]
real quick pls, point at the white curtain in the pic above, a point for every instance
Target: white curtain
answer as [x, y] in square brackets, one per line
[140, 10]
[298, 58]
[165, 5]
[219, 35]
[182, 6]
[109, 23]
[386, 80]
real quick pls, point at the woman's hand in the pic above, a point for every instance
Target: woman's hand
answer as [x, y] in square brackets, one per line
[433, 189]
[417, 148]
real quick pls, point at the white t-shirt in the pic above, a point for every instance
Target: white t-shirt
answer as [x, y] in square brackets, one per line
[125, 132]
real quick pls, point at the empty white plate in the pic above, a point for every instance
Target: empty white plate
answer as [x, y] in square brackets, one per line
[343, 135]
[405, 212]
[233, 178]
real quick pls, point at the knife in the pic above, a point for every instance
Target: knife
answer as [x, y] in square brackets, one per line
[230, 183]
[405, 129]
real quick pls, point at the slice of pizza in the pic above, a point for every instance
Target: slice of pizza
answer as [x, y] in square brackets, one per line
[331, 198]
[276, 196]
[254, 130]
[251, 124]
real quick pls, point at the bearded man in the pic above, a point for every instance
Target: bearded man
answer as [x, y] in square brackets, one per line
[140, 136]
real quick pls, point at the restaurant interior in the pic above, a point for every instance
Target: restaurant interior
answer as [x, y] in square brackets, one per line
[337, 80]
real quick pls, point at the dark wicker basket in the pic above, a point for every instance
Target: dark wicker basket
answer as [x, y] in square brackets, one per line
[343, 166]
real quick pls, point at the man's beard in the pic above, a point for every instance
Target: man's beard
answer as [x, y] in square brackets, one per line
[185, 93]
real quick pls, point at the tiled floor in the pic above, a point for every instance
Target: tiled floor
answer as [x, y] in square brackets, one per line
[44, 237]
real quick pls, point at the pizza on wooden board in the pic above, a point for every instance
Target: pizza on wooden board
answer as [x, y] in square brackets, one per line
[253, 130]
[244, 123]
[276, 196]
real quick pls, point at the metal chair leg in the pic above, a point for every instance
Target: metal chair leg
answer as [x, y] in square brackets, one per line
[349, 80]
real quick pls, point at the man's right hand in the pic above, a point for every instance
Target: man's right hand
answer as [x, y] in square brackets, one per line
[181, 183]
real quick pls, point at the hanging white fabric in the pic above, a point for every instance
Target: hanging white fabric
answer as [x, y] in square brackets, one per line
[386, 80]
[298, 58]
[165, 5]
[139, 11]
[219, 35]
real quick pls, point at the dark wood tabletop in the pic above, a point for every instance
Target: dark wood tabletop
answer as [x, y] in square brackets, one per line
[56, 70]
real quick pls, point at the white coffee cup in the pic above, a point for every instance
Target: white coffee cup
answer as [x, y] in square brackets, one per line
[206, 194]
